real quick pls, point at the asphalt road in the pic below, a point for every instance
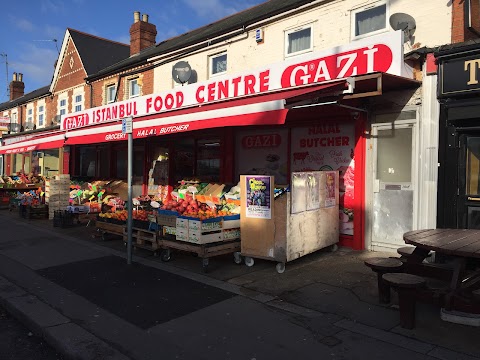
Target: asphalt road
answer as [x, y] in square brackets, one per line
[18, 343]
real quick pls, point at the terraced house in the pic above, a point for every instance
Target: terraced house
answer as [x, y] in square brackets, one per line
[288, 85]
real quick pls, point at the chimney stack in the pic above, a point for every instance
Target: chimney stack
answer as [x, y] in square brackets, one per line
[142, 33]
[17, 87]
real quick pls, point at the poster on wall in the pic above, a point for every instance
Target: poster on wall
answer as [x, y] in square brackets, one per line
[258, 197]
[299, 193]
[262, 152]
[329, 146]
[330, 198]
[313, 192]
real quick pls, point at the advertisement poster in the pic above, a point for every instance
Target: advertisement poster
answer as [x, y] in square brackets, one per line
[330, 199]
[329, 146]
[299, 192]
[262, 152]
[258, 197]
[313, 192]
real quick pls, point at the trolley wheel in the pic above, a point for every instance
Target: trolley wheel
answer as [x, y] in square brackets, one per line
[205, 264]
[334, 248]
[280, 267]
[165, 255]
[237, 258]
[249, 261]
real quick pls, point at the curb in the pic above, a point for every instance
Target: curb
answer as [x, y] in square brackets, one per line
[71, 340]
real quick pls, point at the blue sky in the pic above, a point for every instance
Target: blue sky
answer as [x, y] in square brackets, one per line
[29, 28]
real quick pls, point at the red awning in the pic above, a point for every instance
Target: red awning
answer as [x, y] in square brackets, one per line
[39, 142]
[263, 109]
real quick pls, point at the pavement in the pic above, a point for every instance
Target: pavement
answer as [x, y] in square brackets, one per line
[77, 291]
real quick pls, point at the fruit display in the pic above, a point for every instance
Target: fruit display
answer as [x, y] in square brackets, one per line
[122, 215]
[196, 209]
[21, 178]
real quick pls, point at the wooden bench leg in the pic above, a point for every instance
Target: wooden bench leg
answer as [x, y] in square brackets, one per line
[406, 302]
[383, 290]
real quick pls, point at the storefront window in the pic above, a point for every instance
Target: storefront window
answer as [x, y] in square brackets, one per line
[51, 162]
[329, 146]
[17, 163]
[184, 157]
[87, 161]
[208, 160]
[121, 163]
[158, 173]
[104, 162]
[473, 166]
[262, 152]
[26, 163]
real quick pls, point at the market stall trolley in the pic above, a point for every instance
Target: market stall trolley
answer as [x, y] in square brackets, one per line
[298, 222]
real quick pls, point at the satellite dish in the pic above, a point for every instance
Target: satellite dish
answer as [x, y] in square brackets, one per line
[181, 72]
[404, 22]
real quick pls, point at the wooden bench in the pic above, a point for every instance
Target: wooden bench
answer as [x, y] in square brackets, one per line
[382, 266]
[406, 251]
[406, 285]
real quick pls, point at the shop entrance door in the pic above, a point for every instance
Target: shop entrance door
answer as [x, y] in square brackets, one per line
[468, 209]
[392, 200]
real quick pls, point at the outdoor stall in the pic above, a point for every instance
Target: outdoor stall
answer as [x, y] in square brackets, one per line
[301, 219]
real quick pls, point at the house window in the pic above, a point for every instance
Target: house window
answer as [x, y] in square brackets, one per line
[369, 20]
[218, 64]
[30, 115]
[133, 88]
[298, 41]
[111, 91]
[14, 125]
[62, 107]
[41, 115]
[78, 102]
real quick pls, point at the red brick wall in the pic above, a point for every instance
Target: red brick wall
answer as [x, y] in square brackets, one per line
[460, 32]
[69, 77]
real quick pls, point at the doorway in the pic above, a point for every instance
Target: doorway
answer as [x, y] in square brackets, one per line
[392, 194]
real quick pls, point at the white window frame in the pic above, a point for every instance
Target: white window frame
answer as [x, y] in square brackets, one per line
[30, 113]
[294, 30]
[14, 120]
[129, 87]
[359, 10]
[109, 100]
[64, 107]
[76, 104]
[41, 114]
[210, 64]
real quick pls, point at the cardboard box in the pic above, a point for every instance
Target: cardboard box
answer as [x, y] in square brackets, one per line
[181, 223]
[181, 234]
[196, 236]
[205, 226]
[231, 234]
[167, 220]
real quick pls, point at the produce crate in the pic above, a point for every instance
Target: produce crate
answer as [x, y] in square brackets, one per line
[40, 211]
[62, 218]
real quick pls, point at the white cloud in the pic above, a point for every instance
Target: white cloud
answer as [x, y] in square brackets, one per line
[22, 24]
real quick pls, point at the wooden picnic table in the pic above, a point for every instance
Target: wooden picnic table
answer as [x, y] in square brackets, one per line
[462, 249]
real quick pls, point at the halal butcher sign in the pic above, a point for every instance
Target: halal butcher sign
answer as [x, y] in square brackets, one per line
[383, 53]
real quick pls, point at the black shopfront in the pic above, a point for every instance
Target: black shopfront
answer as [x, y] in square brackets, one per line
[459, 136]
